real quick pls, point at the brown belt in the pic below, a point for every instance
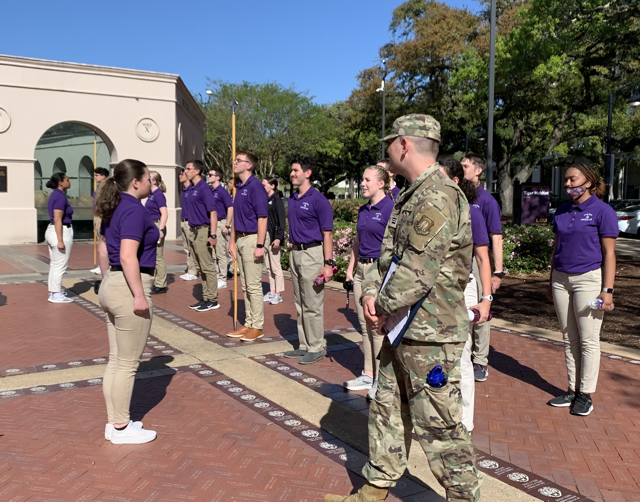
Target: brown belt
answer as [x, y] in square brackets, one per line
[244, 234]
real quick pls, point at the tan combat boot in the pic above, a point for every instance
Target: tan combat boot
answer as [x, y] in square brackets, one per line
[368, 493]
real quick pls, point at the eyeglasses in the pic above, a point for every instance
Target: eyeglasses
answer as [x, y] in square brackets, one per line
[189, 169]
[237, 161]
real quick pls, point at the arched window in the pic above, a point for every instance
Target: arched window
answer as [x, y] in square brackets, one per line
[59, 166]
[85, 176]
[37, 176]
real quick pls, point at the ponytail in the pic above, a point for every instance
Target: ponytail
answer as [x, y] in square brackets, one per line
[109, 194]
[155, 176]
[382, 174]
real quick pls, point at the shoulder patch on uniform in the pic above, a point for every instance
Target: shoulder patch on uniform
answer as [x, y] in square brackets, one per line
[423, 224]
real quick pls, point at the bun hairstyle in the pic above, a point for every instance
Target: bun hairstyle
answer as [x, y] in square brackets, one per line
[55, 180]
[109, 195]
[454, 169]
[598, 186]
[382, 174]
[155, 176]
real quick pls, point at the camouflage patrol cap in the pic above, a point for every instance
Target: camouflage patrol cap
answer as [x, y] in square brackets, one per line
[415, 124]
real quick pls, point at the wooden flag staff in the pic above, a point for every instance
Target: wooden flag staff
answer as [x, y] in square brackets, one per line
[95, 164]
[234, 103]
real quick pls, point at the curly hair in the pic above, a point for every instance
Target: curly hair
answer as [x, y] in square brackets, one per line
[109, 195]
[454, 170]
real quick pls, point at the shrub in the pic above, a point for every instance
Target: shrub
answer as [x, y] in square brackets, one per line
[527, 248]
[346, 209]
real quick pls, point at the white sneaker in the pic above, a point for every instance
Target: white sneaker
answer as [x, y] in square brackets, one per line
[108, 429]
[371, 395]
[189, 277]
[59, 298]
[268, 297]
[275, 299]
[361, 383]
[96, 271]
[132, 435]
[222, 284]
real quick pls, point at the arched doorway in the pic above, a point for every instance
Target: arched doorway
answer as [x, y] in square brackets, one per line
[69, 148]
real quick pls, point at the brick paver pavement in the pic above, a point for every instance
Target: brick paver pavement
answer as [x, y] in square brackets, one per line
[8, 266]
[209, 447]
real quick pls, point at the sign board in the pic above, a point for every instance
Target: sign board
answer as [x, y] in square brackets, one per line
[534, 204]
[3, 178]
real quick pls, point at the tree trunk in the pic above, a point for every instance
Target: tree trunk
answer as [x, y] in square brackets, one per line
[351, 187]
[505, 189]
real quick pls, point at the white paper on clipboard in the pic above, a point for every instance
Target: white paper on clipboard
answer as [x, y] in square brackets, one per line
[395, 323]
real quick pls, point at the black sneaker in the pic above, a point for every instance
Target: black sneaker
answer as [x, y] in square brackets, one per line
[295, 354]
[208, 305]
[480, 372]
[582, 405]
[312, 357]
[196, 305]
[159, 291]
[564, 400]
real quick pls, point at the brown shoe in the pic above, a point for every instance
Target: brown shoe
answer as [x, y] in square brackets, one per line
[238, 333]
[367, 493]
[252, 335]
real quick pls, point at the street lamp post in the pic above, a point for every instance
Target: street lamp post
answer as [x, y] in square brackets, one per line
[382, 89]
[481, 136]
[609, 162]
[492, 65]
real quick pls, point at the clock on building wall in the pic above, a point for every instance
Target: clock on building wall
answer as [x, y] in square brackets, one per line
[147, 130]
[5, 120]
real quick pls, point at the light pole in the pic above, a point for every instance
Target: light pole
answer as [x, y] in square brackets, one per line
[481, 137]
[609, 158]
[382, 89]
[492, 65]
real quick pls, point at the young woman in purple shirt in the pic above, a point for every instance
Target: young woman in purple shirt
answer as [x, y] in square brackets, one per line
[583, 268]
[59, 235]
[371, 225]
[127, 254]
[454, 170]
[156, 208]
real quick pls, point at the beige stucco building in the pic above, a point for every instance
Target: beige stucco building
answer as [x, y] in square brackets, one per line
[135, 114]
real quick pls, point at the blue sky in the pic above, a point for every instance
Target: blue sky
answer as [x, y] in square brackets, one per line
[318, 47]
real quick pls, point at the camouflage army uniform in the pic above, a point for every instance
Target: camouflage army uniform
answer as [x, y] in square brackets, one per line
[430, 231]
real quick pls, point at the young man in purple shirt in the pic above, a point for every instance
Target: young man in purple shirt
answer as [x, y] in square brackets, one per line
[224, 209]
[311, 237]
[473, 166]
[203, 222]
[192, 265]
[99, 175]
[249, 234]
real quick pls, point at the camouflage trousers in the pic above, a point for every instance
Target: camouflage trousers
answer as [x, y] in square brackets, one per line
[405, 401]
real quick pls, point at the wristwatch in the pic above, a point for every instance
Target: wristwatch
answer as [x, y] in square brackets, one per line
[499, 275]
[259, 246]
[608, 290]
[331, 263]
[490, 298]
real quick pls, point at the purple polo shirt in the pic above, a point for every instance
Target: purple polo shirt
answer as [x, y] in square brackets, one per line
[131, 221]
[394, 192]
[155, 201]
[578, 231]
[58, 200]
[201, 203]
[490, 211]
[478, 227]
[251, 203]
[372, 222]
[185, 202]
[309, 215]
[223, 202]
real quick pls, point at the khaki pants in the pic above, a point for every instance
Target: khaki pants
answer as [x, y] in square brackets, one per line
[481, 332]
[198, 238]
[580, 326]
[192, 266]
[309, 299]
[467, 380]
[160, 280]
[58, 260]
[274, 268]
[371, 341]
[128, 334]
[250, 272]
[97, 221]
[220, 253]
[404, 401]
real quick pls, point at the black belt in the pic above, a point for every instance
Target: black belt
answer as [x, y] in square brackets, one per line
[143, 270]
[68, 225]
[244, 234]
[302, 247]
[367, 260]
[185, 219]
